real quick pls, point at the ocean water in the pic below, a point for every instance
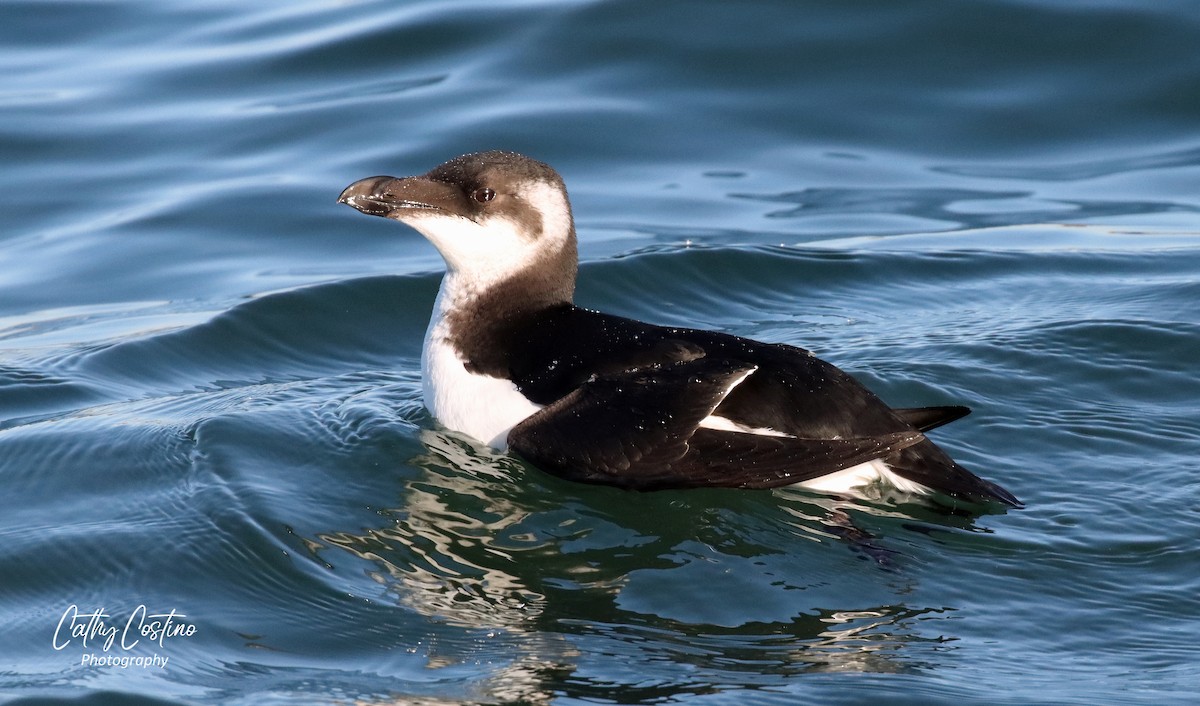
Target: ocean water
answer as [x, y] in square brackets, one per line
[210, 415]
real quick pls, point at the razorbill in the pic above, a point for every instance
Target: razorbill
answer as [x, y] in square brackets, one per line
[510, 360]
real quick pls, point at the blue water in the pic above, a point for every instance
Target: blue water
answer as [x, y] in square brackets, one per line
[209, 384]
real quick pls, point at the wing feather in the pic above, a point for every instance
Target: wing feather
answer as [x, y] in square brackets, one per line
[641, 429]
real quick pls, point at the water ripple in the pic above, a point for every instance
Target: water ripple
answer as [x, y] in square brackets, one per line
[1079, 171]
[930, 209]
[358, 93]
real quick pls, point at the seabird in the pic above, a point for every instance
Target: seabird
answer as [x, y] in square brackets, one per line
[510, 360]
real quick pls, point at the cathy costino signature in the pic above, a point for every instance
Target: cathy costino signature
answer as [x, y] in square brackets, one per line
[97, 630]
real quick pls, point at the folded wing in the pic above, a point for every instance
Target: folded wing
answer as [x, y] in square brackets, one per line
[641, 429]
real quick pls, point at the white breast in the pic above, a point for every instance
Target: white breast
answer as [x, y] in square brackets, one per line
[480, 406]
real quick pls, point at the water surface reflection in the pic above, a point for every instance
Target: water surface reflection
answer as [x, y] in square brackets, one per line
[562, 588]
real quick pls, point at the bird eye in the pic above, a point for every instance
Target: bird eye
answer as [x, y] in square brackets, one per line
[483, 195]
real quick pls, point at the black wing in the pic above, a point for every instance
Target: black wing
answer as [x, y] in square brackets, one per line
[641, 429]
[926, 418]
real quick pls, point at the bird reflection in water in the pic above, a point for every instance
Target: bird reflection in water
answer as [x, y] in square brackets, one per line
[544, 581]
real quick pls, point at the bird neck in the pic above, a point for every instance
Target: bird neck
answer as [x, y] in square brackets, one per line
[546, 280]
[479, 322]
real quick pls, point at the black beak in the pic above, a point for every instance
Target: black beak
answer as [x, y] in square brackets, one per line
[393, 197]
[366, 195]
